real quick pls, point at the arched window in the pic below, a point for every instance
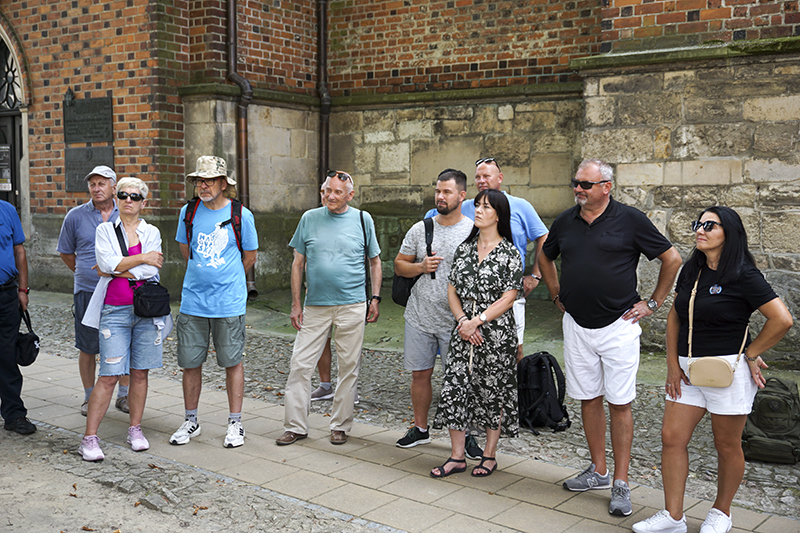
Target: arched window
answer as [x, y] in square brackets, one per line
[10, 90]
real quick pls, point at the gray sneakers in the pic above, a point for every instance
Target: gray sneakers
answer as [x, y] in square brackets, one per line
[589, 479]
[620, 503]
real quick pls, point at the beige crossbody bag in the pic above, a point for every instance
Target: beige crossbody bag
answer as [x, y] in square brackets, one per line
[710, 371]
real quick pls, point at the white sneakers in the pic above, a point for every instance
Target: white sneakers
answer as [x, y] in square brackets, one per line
[184, 433]
[716, 522]
[235, 434]
[137, 439]
[661, 522]
[90, 449]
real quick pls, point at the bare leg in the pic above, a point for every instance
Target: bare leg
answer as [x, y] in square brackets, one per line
[727, 439]
[192, 385]
[99, 402]
[234, 382]
[490, 450]
[421, 395]
[87, 366]
[594, 427]
[324, 363]
[137, 395]
[457, 439]
[676, 431]
[621, 438]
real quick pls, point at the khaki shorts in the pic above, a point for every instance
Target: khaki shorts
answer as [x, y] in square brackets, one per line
[194, 333]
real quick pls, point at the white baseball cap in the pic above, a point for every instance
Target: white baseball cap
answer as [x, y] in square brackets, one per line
[104, 171]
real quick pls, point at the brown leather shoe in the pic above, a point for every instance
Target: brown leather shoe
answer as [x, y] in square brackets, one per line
[338, 437]
[289, 438]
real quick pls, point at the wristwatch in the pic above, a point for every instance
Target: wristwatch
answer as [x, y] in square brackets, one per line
[26, 290]
[482, 316]
[377, 298]
[652, 305]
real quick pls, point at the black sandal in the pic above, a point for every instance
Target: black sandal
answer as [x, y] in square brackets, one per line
[488, 471]
[445, 473]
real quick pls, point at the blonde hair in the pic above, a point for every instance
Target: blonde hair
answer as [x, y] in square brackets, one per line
[133, 183]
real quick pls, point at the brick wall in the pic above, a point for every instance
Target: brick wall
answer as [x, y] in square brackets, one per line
[648, 24]
[421, 45]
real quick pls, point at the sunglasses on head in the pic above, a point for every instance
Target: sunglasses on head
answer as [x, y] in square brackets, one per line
[586, 185]
[708, 225]
[487, 160]
[208, 182]
[344, 176]
[134, 196]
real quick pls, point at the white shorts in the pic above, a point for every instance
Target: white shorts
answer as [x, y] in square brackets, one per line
[601, 362]
[734, 400]
[519, 318]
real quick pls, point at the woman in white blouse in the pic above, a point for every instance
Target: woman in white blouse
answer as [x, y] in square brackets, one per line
[129, 344]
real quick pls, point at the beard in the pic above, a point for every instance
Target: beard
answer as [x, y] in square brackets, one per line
[445, 209]
[580, 200]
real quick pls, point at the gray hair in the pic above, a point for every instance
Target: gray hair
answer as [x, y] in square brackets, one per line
[604, 168]
[133, 183]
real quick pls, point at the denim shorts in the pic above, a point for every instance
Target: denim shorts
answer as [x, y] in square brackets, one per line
[85, 337]
[193, 340]
[127, 341]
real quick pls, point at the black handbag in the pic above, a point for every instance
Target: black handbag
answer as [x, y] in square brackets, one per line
[27, 343]
[150, 299]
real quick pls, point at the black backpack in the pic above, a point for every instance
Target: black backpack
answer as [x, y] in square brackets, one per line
[235, 221]
[541, 387]
[772, 431]
[401, 287]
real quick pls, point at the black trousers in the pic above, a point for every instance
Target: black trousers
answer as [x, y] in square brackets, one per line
[11, 406]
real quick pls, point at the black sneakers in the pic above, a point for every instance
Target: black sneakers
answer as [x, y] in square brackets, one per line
[21, 425]
[414, 437]
[472, 449]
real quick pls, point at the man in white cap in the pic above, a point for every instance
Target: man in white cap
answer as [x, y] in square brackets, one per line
[218, 241]
[76, 246]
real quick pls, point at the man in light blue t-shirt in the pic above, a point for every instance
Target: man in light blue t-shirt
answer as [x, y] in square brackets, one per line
[525, 226]
[214, 296]
[330, 245]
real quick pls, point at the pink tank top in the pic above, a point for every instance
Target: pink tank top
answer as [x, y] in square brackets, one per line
[119, 290]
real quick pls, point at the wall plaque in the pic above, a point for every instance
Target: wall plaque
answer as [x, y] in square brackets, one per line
[88, 119]
[81, 161]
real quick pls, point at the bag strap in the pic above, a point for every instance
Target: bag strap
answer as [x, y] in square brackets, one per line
[366, 260]
[27, 318]
[121, 239]
[691, 325]
[429, 239]
[191, 210]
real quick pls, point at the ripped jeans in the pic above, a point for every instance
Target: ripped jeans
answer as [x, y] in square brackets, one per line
[127, 341]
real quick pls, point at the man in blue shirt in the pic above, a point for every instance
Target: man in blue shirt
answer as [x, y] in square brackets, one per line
[526, 226]
[76, 246]
[214, 296]
[330, 245]
[13, 300]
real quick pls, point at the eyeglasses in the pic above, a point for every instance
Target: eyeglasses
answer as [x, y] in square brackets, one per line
[344, 176]
[586, 185]
[708, 225]
[134, 196]
[487, 160]
[208, 182]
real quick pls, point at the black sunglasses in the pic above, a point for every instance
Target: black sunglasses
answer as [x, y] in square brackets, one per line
[708, 225]
[487, 160]
[586, 185]
[134, 196]
[344, 176]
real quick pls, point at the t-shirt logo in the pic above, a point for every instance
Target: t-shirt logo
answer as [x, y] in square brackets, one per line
[211, 245]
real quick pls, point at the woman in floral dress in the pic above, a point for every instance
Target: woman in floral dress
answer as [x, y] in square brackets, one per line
[480, 382]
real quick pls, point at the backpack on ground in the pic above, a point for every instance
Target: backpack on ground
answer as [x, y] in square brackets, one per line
[541, 387]
[235, 221]
[401, 287]
[772, 431]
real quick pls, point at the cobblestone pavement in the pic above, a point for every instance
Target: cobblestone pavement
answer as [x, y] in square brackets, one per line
[385, 401]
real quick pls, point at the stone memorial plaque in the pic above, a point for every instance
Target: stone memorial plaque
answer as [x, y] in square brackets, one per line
[81, 161]
[88, 120]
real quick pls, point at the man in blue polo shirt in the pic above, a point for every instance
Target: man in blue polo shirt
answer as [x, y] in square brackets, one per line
[76, 246]
[600, 241]
[13, 300]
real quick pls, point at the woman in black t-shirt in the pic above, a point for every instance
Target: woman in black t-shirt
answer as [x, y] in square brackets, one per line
[729, 289]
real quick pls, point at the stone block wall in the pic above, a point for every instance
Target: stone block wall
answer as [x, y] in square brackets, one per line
[685, 137]
[629, 25]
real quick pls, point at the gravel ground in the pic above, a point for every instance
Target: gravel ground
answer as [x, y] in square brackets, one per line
[385, 401]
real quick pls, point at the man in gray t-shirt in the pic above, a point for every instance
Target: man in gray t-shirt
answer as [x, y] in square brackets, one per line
[429, 320]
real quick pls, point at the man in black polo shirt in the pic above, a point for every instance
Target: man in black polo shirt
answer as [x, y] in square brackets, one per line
[600, 241]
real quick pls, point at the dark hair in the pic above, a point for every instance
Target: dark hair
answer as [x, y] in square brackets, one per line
[499, 203]
[735, 254]
[456, 175]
